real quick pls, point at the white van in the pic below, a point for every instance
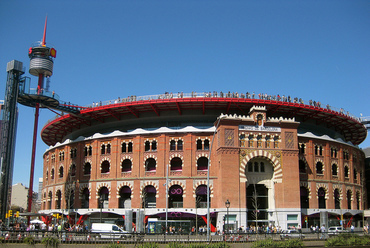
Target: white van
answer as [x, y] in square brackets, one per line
[108, 231]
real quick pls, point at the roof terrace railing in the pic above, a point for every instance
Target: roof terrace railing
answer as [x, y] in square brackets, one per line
[214, 94]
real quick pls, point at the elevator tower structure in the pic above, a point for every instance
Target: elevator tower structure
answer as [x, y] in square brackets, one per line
[8, 133]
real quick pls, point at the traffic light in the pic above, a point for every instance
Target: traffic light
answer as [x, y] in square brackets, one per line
[17, 214]
[306, 219]
[10, 213]
[6, 215]
[57, 216]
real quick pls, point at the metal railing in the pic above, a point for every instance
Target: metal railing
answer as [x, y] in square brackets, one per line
[214, 94]
[71, 237]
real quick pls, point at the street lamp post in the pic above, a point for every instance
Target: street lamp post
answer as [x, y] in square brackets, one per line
[227, 204]
[208, 172]
[166, 199]
[101, 201]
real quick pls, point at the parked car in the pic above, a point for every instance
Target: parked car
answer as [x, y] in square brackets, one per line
[291, 234]
[335, 230]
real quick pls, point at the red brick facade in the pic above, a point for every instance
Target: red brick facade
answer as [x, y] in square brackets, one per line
[248, 150]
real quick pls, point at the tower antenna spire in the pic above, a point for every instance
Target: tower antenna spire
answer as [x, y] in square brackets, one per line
[44, 36]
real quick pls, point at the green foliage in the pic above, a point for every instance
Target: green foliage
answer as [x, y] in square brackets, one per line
[176, 245]
[347, 239]
[148, 245]
[30, 240]
[197, 245]
[269, 243]
[220, 245]
[50, 241]
[113, 245]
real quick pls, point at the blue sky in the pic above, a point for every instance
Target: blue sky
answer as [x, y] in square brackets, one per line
[315, 50]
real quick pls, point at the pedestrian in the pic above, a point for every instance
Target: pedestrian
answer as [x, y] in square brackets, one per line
[322, 230]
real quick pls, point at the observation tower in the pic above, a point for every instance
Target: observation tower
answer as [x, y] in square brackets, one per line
[41, 65]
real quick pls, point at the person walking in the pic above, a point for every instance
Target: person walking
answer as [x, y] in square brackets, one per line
[323, 231]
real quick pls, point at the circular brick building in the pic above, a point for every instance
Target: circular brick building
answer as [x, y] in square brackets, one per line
[279, 161]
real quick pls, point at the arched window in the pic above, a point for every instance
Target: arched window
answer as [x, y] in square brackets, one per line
[358, 200]
[102, 149]
[88, 151]
[256, 167]
[61, 172]
[319, 168]
[125, 197]
[52, 174]
[250, 140]
[276, 142]
[302, 149]
[334, 152]
[321, 195]
[85, 198]
[334, 170]
[349, 199]
[250, 167]
[149, 199]
[105, 167]
[336, 199]
[50, 199]
[201, 196]
[103, 200]
[202, 163]
[73, 153]
[354, 174]
[123, 147]
[206, 145]
[176, 164]
[147, 146]
[73, 170]
[199, 144]
[154, 145]
[259, 141]
[108, 148]
[47, 175]
[172, 145]
[87, 168]
[175, 196]
[126, 165]
[129, 147]
[61, 156]
[346, 172]
[150, 164]
[179, 145]
[58, 201]
[262, 167]
[305, 203]
[242, 140]
[268, 140]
